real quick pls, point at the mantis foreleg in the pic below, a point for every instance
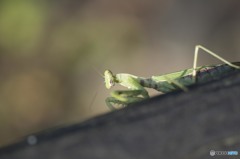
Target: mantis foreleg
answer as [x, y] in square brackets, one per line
[125, 97]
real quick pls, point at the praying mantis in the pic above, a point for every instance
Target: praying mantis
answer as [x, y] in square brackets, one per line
[164, 83]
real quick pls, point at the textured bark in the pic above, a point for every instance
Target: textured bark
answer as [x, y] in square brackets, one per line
[175, 125]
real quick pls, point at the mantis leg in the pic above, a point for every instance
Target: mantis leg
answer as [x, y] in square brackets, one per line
[211, 53]
[111, 102]
[125, 97]
[176, 83]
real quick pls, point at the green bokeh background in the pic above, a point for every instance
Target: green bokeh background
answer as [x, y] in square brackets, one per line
[51, 52]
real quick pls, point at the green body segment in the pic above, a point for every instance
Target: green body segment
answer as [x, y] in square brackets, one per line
[185, 78]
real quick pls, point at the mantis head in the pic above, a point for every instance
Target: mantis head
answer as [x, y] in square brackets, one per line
[109, 79]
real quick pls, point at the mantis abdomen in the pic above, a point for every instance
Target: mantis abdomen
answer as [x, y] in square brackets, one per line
[166, 83]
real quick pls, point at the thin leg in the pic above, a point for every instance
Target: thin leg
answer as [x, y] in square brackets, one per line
[211, 53]
[176, 83]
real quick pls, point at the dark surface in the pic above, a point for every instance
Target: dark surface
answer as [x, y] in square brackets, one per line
[175, 125]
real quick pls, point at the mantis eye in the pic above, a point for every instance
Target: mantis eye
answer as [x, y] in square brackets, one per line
[112, 83]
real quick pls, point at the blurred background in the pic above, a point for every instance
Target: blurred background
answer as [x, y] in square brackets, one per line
[51, 52]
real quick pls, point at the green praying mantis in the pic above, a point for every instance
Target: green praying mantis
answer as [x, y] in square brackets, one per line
[163, 83]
